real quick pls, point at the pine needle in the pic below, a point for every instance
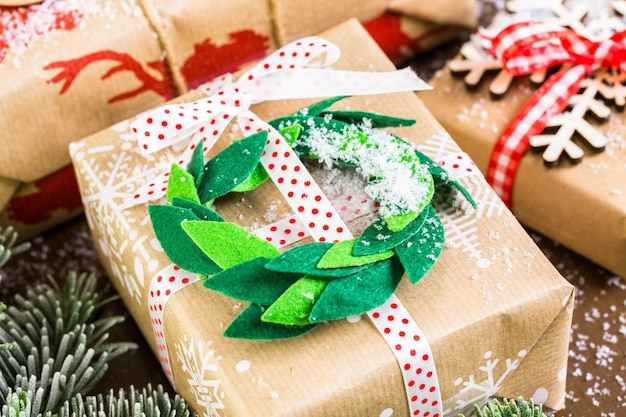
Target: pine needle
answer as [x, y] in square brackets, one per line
[8, 244]
[59, 346]
[508, 408]
[148, 402]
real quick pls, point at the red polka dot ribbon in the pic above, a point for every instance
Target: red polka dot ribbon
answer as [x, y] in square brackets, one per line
[413, 353]
[527, 47]
[298, 70]
[400, 331]
[295, 71]
[163, 286]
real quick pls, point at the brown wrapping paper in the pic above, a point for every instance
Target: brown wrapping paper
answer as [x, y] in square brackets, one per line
[582, 206]
[455, 12]
[495, 311]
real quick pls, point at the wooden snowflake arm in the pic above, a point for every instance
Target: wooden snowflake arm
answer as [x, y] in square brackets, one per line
[475, 70]
[592, 136]
[556, 145]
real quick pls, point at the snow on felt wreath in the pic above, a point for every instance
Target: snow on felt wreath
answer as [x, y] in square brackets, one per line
[291, 292]
[355, 275]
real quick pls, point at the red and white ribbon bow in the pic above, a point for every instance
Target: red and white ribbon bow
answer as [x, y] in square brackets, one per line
[298, 70]
[530, 46]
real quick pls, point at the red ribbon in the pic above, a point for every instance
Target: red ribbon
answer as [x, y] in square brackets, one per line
[524, 48]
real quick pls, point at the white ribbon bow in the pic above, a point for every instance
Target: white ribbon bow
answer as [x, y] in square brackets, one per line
[298, 70]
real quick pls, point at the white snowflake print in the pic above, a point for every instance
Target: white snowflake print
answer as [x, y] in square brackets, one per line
[458, 217]
[478, 392]
[200, 364]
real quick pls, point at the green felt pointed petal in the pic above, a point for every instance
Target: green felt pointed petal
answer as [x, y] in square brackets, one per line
[379, 237]
[419, 254]
[340, 255]
[358, 293]
[442, 177]
[181, 184]
[166, 221]
[202, 211]
[227, 244]
[304, 259]
[196, 164]
[248, 325]
[250, 281]
[294, 305]
[258, 177]
[316, 108]
[373, 119]
[398, 222]
[231, 166]
[313, 125]
[291, 133]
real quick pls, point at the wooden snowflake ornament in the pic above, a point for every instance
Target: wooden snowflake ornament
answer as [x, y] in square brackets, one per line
[572, 124]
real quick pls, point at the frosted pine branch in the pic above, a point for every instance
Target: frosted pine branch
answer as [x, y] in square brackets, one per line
[9, 245]
[508, 408]
[60, 346]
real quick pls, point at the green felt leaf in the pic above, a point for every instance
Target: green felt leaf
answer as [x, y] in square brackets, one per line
[421, 251]
[303, 260]
[375, 120]
[166, 221]
[202, 211]
[258, 177]
[294, 305]
[442, 177]
[250, 281]
[398, 222]
[358, 293]
[316, 108]
[231, 166]
[340, 255]
[181, 184]
[248, 325]
[313, 125]
[379, 237]
[227, 244]
[291, 133]
[196, 164]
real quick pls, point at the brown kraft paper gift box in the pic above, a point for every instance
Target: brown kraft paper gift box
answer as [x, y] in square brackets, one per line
[581, 205]
[495, 311]
[95, 63]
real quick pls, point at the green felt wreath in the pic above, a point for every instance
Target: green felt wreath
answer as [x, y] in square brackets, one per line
[293, 291]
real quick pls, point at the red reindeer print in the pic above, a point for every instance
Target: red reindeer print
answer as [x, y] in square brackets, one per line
[19, 26]
[210, 60]
[158, 83]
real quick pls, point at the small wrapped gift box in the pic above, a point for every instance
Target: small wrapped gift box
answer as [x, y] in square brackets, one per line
[93, 63]
[491, 318]
[579, 201]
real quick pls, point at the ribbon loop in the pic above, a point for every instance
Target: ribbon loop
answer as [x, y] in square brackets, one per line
[298, 70]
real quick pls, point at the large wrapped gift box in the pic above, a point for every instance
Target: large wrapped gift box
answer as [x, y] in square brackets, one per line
[580, 203]
[92, 63]
[495, 312]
